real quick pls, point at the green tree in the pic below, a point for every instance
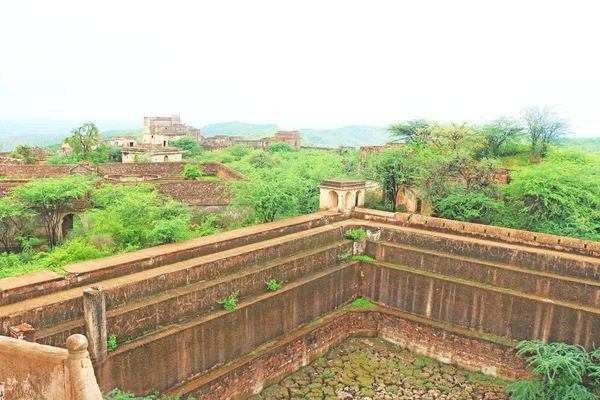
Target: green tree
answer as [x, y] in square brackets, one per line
[268, 198]
[49, 197]
[25, 153]
[454, 137]
[395, 168]
[191, 172]
[84, 139]
[14, 218]
[415, 132]
[187, 143]
[137, 216]
[543, 126]
[498, 133]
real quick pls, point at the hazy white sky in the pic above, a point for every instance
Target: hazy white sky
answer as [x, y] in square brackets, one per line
[299, 63]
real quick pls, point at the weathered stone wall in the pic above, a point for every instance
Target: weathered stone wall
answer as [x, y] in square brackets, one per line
[488, 310]
[34, 171]
[250, 374]
[174, 355]
[534, 239]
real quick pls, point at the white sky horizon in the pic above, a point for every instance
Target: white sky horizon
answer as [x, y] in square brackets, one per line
[310, 64]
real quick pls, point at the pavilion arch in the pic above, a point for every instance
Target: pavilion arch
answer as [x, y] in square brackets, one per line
[341, 194]
[333, 199]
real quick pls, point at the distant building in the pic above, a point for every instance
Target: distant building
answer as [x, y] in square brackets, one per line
[150, 153]
[220, 142]
[159, 131]
[123, 141]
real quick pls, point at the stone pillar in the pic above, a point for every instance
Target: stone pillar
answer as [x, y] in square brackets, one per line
[81, 373]
[94, 314]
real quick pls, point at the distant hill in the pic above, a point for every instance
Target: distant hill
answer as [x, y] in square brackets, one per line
[353, 135]
[235, 128]
[41, 134]
[590, 145]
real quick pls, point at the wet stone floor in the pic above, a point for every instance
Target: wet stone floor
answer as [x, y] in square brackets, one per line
[371, 369]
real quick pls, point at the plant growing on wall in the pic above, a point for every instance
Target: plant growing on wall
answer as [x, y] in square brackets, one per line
[273, 285]
[345, 256]
[111, 343]
[561, 371]
[355, 234]
[231, 301]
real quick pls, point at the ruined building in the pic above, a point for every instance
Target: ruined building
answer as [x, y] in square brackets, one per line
[160, 130]
[457, 292]
[220, 142]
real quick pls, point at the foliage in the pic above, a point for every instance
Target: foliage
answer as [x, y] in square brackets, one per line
[72, 251]
[327, 374]
[49, 197]
[394, 169]
[231, 302]
[560, 196]
[345, 256]
[362, 303]
[362, 258]
[415, 132]
[111, 343]
[355, 234]
[84, 139]
[187, 143]
[500, 134]
[25, 153]
[470, 206]
[191, 172]
[561, 371]
[14, 218]
[544, 126]
[280, 147]
[273, 285]
[137, 216]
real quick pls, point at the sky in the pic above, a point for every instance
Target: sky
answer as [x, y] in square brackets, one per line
[298, 64]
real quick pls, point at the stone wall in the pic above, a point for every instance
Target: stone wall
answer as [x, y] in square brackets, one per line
[534, 239]
[193, 348]
[33, 371]
[266, 366]
[34, 171]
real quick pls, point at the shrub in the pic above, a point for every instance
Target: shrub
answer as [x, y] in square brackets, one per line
[273, 285]
[327, 374]
[561, 371]
[355, 234]
[344, 256]
[191, 172]
[231, 301]
[111, 343]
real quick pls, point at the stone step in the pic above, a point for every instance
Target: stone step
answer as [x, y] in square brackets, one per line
[138, 318]
[92, 271]
[499, 311]
[526, 257]
[163, 359]
[55, 308]
[552, 286]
